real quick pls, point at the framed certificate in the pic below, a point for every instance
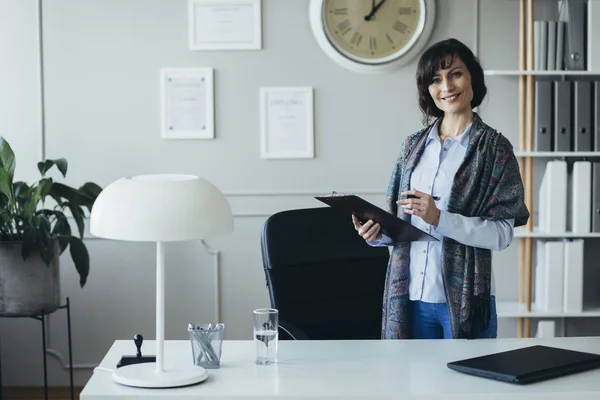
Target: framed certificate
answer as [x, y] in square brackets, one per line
[187, 109]
[225, 24]
[287, 122]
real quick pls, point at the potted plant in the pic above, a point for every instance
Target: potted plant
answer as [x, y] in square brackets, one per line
[35, 231]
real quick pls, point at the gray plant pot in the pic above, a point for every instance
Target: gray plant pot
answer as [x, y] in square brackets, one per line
[27, 287]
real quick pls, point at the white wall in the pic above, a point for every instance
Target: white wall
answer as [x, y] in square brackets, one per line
[101, 62]
[20, 95]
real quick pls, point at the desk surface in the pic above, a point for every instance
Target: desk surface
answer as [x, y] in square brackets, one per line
[350, 370]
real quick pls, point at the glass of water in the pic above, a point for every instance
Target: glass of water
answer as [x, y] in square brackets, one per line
[266, 335]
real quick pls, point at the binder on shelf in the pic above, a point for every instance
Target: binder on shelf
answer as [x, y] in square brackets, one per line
[544, 45]
[537, 50]
[562, 116]
[551, 40]
[581, 197]
[554, 256]
[545, 329]
[543, 115]
[553, 198]
[573, 276]
[596, 116]
[540, 276]
[575, 58]
[596, 196]
[560, 40]
[582, 118]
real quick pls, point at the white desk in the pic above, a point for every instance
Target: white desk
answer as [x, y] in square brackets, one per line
[351, 370]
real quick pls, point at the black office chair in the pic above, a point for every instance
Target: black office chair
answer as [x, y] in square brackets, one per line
[326, 282]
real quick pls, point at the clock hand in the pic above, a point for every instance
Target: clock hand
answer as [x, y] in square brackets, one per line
[368, 17]
[374, 10]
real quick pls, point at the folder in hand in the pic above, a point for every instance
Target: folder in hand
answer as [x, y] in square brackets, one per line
[392, 226]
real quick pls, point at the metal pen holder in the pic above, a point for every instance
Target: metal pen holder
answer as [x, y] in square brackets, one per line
[207, 340]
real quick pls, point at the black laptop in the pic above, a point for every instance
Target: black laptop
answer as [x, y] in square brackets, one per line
[528, 365]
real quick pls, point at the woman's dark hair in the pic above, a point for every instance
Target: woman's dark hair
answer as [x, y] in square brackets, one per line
[436, 57]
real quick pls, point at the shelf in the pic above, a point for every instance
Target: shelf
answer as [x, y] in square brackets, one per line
[513, 309]
[510, 72]
[522, 233]
[552, 154]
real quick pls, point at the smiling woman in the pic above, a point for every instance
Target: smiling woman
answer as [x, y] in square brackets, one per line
[458, 180]
[447, 70]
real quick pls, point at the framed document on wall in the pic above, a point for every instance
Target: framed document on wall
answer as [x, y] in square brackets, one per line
[225, 24]
[287, 122]
[187, 108]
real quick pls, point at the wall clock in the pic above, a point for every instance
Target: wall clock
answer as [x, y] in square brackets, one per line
[372, 36]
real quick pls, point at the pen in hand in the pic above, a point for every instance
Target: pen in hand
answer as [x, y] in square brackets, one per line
[412, 196]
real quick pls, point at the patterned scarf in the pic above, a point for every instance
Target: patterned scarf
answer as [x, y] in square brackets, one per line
[488, 185]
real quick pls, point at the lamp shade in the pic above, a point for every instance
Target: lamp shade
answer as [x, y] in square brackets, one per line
[161, 208]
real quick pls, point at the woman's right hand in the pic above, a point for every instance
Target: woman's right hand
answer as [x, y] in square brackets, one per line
[370, 230]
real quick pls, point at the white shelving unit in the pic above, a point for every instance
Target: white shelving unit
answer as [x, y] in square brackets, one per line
[525, 74]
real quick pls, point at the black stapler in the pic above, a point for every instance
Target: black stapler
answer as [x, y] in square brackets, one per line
[138, 358]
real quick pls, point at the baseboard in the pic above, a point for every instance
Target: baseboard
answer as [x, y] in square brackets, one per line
[35, 393]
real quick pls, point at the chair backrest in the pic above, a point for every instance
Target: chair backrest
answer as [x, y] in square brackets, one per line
[322, 276]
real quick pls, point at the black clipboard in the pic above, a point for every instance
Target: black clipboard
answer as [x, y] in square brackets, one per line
[392, 226]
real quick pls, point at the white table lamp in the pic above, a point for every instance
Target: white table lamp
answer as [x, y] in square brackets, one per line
[160, 208]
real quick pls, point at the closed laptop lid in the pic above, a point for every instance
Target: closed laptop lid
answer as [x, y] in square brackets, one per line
[527, 362]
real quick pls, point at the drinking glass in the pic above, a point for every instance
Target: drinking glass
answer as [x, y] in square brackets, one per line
[266, 335]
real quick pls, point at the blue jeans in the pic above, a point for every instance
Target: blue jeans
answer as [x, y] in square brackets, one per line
[432, 321]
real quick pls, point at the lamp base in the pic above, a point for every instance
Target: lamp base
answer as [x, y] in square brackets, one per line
[145, 375]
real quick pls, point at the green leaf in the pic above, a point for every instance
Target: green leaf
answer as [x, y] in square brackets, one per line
[36, 194]
[27, 243]
[79, 217]
[7, 158]
[4, 203]
[61, 224]
[21, 190]
[5, 184]
[80, 257]
[59, 201]
[61, 164]
[44, 238]
[42, 223]
[30, 205]
[61, 228]
[43, 188]
[74, 196]
[90, 189]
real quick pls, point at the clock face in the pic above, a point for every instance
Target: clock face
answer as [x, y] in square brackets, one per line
[373, 31]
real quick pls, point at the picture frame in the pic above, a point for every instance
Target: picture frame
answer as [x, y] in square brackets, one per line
[225, 24]
[187, 103]
[286, 122]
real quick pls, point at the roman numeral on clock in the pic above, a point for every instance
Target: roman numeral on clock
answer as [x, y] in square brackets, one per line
[356, 38]
[400, 27]
[340, 11]
[372, 43]
[405, 11]
[345, 26]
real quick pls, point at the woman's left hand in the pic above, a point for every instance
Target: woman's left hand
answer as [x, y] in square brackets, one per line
[423, 206]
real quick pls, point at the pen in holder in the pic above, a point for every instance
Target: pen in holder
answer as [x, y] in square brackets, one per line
[206, 342]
